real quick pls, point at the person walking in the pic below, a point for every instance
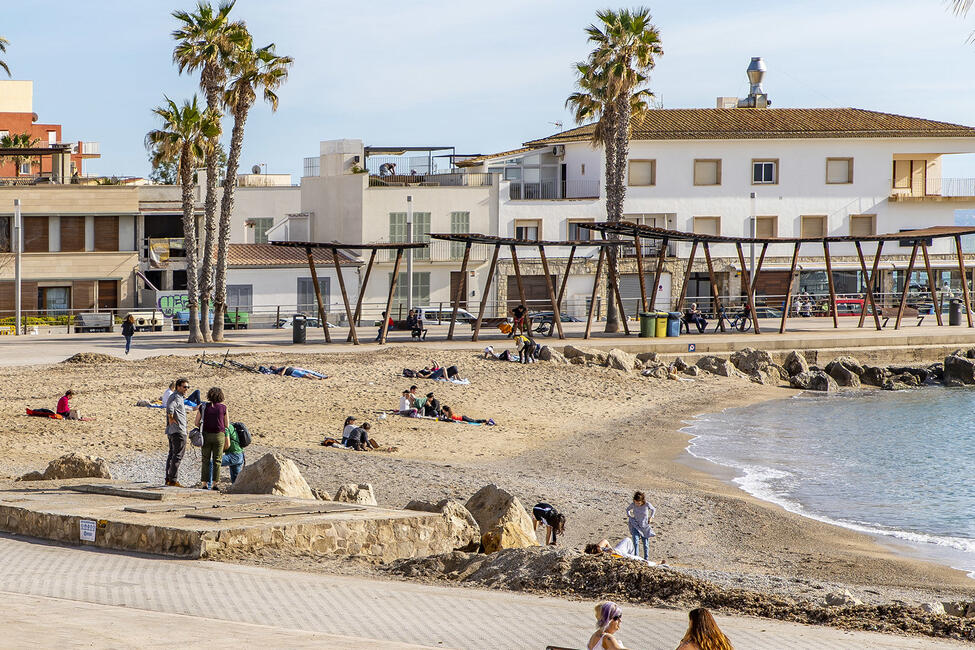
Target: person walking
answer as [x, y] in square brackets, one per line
[639, 515]
[703, 633]
[176, 430]
[609, 616]
[128, 329]
[212, 420]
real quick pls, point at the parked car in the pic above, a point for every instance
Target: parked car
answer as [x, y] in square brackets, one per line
[181, 320]
[435, 316]
[546, 316]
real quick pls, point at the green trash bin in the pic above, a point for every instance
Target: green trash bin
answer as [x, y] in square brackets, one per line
[662, 324]
[647, 324]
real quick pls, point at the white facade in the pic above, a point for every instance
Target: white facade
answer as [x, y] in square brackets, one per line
[276, 290]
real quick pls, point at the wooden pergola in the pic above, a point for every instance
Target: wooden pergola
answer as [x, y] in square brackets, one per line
[919, 238]
[555, 299]
[335, 247]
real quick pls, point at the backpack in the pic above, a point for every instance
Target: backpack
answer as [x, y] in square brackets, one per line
[243, 435]
[409, 373]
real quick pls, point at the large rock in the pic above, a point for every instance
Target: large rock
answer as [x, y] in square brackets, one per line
[643, 357]
[959, 369]
[843, 375]
[508, 535]
[680, 365]
[841, 599]
[588, 355]
[656, 370]
[795, 363]
[822, 382]
[693, 371]
[933, 608]
[875, 376]
[922, 374]
[548, 353]
[620, 360]
[766, 376]
[358, 493]
[272, 474]
[71, 466]
[502, 518]
[718, 366]
[750, 360]
[960, 608]
[461, 525]
[850, 363]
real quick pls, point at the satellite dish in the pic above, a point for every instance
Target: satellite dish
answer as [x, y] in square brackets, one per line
[256, 169]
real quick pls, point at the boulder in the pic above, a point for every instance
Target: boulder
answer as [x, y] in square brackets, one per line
[850, 363]
[620, 360]
[820, 381]
[461, 525]
[507, 535]
[750, 360]
[901, 382]
[358, 493]
[71, 466]
[783, 373]
[494, 508]
[843, 375]
[933, 608]
[577, 361]
[321, 495]
[657, 370]
[643, 357]
[421, 506]
[718, 366]
[795, 363]
[874, 376]
[961, 369]
[32, 476]
[680, 365]
[922, 374]
[960, 608]
[272, 474]
[766, 377]
[588, 355]
[841, 599]
[693, 371]
[548, 353]
[801, 381]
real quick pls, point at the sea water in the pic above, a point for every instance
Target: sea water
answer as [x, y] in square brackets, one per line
[897, 464]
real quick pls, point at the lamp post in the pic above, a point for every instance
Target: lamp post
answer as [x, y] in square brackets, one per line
[409, 253]
[18, 250]
[751, 270]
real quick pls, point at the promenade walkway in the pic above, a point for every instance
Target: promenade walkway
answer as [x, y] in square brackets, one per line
[73, 597]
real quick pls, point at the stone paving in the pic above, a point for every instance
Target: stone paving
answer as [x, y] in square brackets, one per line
[71, 597]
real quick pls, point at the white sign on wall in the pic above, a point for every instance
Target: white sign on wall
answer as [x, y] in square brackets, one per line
[88, 530]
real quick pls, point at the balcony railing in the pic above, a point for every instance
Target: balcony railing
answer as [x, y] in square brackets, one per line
[439, 250]
[453, 179]
[938, 187]
[90, 149]
[545, 190]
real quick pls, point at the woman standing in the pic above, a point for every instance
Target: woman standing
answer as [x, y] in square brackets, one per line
[703, 633]
[639, 515]
[212, 420]
[128, 329]
[609, 615]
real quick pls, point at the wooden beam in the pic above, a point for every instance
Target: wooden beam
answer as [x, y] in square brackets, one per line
[964, 280]
[362, 292]
[656, 275]
[832, 287]
[461, 288]
[487, 290]
[687, 277]
[639, 270]
[907, 285]
[345, 296]
[868, 280]
[565, 276]
[788, 291]
[556, 315]
[384, 328]
[758, 269]
[595, 290]
[714, 286]
[614, 282]
[931, 283]
[749, 288]
[521, 287]
[318, 296]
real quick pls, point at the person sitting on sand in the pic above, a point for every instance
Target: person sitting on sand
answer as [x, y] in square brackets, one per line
[358, 437]
[554, 521]
[639, 515]
[294, 371]
[347, 429]
[623, 549]
[431, 406]
[64, 408]
[406, 407]
[703, 633]
[447, 415]
[609, 615]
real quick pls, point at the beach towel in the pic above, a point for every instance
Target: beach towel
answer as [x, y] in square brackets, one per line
[44, 413]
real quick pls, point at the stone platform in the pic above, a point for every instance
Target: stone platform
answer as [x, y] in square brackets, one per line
[189, 523]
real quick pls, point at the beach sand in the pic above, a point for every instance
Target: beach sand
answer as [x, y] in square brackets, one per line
[581, 438]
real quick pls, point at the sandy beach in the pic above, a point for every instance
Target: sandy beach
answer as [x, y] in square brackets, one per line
[582, 438]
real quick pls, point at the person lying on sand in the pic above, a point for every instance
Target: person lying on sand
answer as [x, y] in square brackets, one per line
[292, 371]
[447, 415]
[622, 549]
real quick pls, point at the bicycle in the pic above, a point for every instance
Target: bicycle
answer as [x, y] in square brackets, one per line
[741, 320]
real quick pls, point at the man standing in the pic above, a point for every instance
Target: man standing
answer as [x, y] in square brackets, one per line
[176, 430]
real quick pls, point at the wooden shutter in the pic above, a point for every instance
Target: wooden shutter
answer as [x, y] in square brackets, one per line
[82, 292]
[72, 234]
[106, 233]
[35, 235]
[108, 294]
[28, 298]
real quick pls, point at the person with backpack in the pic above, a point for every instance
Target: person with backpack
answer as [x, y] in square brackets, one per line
[233, 455]
[128, 329]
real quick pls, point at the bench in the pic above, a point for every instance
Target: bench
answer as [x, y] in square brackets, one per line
[909, 312]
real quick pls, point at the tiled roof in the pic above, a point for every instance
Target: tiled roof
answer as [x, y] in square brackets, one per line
[477, 160]
[267, 255]
[772, 123]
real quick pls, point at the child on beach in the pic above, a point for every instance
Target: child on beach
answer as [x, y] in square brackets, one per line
[639, 515]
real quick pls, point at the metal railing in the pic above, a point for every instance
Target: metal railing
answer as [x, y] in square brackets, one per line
[454, 179]
[544, 190]
[438, 250]
[935, 186]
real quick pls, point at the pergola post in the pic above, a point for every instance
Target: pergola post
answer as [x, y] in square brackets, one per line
[788, 291]
[487, 290]
[964, 280]
[868, 285]
[345, 296]
[931, 283]
[362, 292]
[521, 287]
[687, 276]
[595, 290]
[907, 285]
[656, 275]
[556, 315]
[565, 276]
[639, 270]
[384, 328]
[461, 287]
[714, 286]
[749, 288]
[318, 295]
[614, 283]
[829, 281]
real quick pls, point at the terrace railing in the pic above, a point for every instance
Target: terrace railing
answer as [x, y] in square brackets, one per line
[453, 179]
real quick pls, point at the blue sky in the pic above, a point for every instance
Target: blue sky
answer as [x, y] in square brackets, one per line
[481, 76]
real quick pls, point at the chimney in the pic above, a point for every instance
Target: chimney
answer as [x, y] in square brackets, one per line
[757, 98]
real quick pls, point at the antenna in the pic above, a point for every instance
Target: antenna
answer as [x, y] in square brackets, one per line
[256, 169]
[557, 124]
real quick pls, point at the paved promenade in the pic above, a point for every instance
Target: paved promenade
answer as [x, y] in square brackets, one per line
[73, 597]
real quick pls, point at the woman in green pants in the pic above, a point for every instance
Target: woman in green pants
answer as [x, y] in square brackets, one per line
[212, 420]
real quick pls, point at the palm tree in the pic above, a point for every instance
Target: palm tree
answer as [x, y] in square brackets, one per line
[17, 141]
[186, 137]
[254, 70]
[207, 41]
[612, 83]
[3, 48]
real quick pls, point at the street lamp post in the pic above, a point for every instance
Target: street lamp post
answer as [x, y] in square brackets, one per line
[409, 253]
[18, 250]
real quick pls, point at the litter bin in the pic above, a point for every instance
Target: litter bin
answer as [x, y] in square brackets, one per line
[673, 323]
[661, 324]
[954, 312]
[299, 329]
[647, 324]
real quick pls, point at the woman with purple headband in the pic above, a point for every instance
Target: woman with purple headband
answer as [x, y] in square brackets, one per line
[608, 618]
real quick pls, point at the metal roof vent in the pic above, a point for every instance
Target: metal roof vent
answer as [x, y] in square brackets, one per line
[757, 98]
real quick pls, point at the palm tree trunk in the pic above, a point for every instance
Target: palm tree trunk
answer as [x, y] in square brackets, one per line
[613, 210]
[190, 245]
[210, 221]
[226, 207]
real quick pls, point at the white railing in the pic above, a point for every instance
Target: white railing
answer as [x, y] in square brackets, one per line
[91, 148]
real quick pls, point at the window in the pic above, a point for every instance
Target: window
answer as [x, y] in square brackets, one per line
[241, 297]
[766, 227]
[460, 223]
[421, 233]
[863, 225]
[307, 303]
[397, 227]
[902, 174]
[52, 137]
[527, 229]
[55, 301]
[839, 171]
[642, 172]
[512, 173]
[24, 168]
[765, 172]
[261, 225]
[707, 225]
[4, 134]
[575, 233]
[812, 226]
[421, 290]
[707, 172]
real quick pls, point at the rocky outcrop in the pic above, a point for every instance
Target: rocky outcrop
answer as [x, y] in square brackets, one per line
[656, 370]
[841, 599]
[850, 363]
[503, 521]
[644, 357]
[795, 363]
[750, 360]
[814, 380]
[588, 355]
[358, 493]
[507, 535]
[693, 371]
[620, 360]
[843, 375]
[875, 376]
[959, 369]
[272, 474]
[71, 466]
[462, 528]
[960, 608]
[548, 353]
[680, 365]
[321, 495]
[718, 366]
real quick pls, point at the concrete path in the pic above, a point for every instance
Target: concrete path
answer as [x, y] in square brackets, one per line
[72, 597]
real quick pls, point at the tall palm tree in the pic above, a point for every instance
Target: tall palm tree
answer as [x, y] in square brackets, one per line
[253, 71]
[207, 41]
[612, 82]
[3, 49]
[185, 138]
[17, 141]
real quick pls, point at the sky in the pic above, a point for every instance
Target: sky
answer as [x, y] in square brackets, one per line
[479, 76]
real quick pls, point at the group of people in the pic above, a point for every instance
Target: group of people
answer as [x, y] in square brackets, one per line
[414, 405]
[702, 633]
[639, 514]
[526, 351]
[437, 372]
